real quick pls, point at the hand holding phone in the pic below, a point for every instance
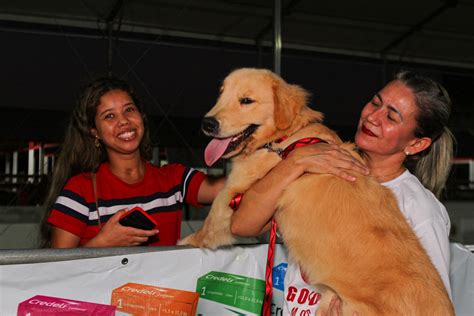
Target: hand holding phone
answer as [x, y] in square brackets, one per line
[138, 218]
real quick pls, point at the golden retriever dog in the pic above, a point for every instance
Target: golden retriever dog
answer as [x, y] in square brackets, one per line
[349, 238]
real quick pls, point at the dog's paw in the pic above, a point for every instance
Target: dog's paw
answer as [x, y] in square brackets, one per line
[195, 240]
[206, 239]
[188, 241]
[182, 242]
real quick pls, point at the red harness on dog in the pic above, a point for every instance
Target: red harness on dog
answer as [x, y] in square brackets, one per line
[267, 301]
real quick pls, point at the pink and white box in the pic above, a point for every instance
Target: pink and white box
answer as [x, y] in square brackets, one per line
[40, 305]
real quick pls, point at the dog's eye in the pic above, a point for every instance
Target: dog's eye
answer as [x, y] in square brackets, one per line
[246, 100]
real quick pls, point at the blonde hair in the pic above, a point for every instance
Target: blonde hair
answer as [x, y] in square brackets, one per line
[434, 108]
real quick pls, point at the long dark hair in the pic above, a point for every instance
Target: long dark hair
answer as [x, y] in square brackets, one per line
[78, 152]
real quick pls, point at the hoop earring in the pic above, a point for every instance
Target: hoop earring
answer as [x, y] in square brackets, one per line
[97, 142]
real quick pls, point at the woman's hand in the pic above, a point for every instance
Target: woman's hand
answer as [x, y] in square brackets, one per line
[264, 194]
[335, 308]
[113, 234]
[326, 158]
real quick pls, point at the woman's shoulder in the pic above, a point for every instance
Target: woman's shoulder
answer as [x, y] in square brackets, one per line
[409, 185]
[80, 179]
[78, 186]
[171, 168]
[417, 202]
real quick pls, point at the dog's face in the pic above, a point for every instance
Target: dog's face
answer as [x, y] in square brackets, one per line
[252, 106]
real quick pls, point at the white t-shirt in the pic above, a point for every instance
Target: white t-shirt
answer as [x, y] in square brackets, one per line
[300, 298]
[428, 219]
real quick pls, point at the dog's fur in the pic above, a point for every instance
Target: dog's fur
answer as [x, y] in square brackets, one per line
[348, 237]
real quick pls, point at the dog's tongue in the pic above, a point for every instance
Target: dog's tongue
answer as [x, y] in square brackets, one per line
[215, 149]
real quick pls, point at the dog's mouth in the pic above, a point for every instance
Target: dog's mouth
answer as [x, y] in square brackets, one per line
[220, 147]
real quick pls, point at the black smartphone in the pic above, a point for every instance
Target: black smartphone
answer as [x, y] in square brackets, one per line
[138, 218]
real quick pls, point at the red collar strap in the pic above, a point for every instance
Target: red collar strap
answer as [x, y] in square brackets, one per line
[283, 153]
[234, 203]
[300, 143]
[279, 140]
[267, 299]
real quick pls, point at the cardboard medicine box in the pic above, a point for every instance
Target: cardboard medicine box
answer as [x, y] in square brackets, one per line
[40, 305]
[146, 300]
[224, 293]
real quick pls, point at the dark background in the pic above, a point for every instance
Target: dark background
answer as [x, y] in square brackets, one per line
[176, 53]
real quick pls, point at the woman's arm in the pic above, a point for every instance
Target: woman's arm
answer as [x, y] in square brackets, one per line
[434, 237]
[335, 308]
[209, 189]
[61, 238]
[258, 204]
[112, 234]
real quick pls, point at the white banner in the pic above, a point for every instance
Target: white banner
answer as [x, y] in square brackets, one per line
[92, 280]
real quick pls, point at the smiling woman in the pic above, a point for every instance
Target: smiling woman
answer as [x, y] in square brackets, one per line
[103, 170]
[118, 123]
[405, 121]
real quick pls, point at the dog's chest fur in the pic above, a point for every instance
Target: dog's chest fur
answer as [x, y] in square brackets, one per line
[249, 168]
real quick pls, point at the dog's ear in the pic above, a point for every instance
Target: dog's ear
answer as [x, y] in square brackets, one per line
[288, 100]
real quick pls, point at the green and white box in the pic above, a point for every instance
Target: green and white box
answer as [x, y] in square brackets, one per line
[229, 294]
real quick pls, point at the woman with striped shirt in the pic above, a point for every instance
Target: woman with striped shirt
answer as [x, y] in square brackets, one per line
[103, 169]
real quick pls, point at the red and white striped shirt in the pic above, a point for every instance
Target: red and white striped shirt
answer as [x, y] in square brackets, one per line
[161, 193]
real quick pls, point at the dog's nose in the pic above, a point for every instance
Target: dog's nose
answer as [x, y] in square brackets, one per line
[210, 125]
